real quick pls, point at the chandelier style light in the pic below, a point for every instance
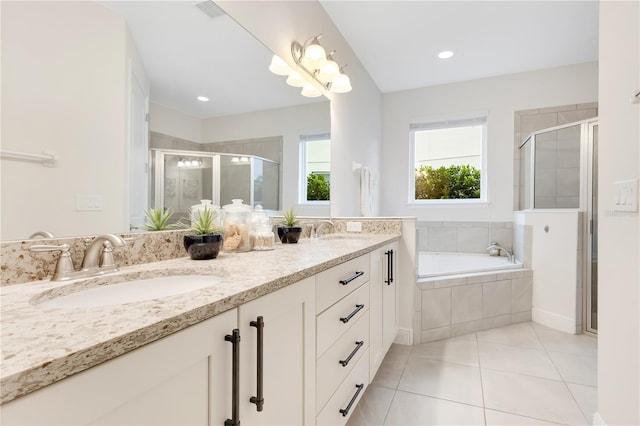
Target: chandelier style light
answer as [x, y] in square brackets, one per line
[317, 66]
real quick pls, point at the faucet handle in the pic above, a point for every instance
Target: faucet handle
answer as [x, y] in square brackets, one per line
[64, 264]
[106, 258]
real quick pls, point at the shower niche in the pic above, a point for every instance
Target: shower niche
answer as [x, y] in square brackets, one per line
[180, 179]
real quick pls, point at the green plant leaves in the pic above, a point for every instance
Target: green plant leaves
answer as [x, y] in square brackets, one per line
[453, 182]
[317, 187]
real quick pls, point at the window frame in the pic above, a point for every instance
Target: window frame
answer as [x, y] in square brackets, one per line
[445, 123]
[302, 180]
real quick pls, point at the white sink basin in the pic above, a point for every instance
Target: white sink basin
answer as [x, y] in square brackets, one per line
[132, 291]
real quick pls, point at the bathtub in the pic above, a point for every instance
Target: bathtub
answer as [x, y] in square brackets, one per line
[436, 264]
[461, 293]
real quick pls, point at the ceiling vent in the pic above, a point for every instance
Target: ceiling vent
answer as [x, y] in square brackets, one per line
[210, 9]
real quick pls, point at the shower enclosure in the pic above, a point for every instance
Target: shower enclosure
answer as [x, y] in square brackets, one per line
[180, 179]
[558, 170]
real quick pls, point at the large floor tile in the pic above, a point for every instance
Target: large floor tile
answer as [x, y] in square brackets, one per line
[461, 350]
[579, 369]
[530, 396]
[520, 335]
[498, 418]
[587, 398]
[373, 407]
[390, 370]
[411, 409]
[558, 341]
[444, 380]
[533, 362]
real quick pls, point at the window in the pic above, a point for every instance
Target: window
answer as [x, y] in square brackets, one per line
[315, 168]
[448, 160]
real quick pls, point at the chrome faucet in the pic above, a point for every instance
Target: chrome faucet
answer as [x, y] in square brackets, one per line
[319, 225]
[98, 257]
[42, 234]
[495, 249]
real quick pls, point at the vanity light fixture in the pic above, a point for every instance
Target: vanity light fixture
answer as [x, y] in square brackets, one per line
[203, 99]
[319, 69]
[445, 54]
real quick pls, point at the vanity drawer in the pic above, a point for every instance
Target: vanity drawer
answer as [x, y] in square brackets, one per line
[336, 320]
[335, 283]
[359, 377]
[330, 371]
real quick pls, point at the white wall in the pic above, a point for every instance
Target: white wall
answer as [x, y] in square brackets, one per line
[619, 233]
[68, 101]
[289, 123]
[174, 123]
[497, 96]
[556, 293]
[355, 116]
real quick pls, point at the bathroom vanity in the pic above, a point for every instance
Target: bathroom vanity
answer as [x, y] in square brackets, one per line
[291, 336]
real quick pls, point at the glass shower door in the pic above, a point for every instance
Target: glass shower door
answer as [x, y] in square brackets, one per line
[592, 267]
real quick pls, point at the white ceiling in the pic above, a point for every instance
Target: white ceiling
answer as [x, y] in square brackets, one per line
[187, 53]
[398, 41]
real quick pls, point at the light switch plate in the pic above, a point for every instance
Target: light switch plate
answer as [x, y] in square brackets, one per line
[354, 226]
[88, 202]
[625, 196]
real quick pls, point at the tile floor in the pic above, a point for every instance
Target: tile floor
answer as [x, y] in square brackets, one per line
[521, 374]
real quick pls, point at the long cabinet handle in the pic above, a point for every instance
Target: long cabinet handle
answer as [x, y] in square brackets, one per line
[389, 279]
[355, 311]
[345, 411]
[351, 278]
[234, 338]
[259, 399]
[345, 362]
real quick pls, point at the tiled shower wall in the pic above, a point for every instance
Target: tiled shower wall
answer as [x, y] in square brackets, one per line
[531, 120]
[464, 237]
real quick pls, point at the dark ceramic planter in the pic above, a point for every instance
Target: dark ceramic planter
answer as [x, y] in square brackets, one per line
[289, 235]
[203, 247]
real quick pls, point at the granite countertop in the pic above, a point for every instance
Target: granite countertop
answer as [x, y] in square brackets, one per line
[41, 345]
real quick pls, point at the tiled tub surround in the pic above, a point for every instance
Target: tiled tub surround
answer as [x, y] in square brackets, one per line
[19, 265]
[44, 345]
[454, 305]
[465, 237]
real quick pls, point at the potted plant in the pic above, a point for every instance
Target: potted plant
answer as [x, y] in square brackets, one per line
[205, 239]
[157, 219]
[288, 231]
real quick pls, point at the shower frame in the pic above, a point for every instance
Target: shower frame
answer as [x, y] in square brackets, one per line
[587, 205]
[157, 159]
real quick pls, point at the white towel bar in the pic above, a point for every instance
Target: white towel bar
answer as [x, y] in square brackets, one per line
[46, 159]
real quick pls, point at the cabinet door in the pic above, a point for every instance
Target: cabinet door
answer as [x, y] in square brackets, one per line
[375, 310]
[389, 294]
[288, 356]
[184, 378]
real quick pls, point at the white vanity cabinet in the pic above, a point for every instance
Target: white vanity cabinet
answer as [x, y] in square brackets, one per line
[288, 357]
[342, 328]
[184, 378]
[384, 294]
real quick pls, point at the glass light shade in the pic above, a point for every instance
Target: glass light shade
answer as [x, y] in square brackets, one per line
[314, 56]
[234, 159]
[329, 71]
[295, 79]
[310, 91]
[180, 163]
[279, 66]
[341, 84]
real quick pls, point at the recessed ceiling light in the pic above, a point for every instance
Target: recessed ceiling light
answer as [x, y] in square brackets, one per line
[446, 54]
[203, 99]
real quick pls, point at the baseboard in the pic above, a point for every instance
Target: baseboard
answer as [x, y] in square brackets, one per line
[597, 420]
[404, 336]
[555, 321]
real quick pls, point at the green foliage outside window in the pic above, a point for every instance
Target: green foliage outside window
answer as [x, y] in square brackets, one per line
[453, 182]
[317, 187]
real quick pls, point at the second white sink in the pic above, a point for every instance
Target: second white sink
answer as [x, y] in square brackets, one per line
[132, 291]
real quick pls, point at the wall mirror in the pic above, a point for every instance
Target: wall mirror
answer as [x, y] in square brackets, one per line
[96, 84]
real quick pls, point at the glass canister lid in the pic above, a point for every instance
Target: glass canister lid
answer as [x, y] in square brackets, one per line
[236, 206]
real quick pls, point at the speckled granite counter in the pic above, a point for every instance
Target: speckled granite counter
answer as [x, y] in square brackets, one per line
[43, 345]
